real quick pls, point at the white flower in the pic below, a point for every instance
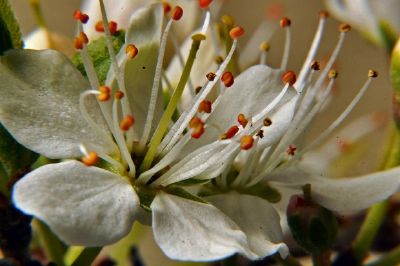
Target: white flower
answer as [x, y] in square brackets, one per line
[49, 107]
[378, 20]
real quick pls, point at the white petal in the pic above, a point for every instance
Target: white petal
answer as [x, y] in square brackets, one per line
[144, 32]
[39, 104]
[258, 220]
[189, 230]
[343, 194]
[252, 91]
[85, 206]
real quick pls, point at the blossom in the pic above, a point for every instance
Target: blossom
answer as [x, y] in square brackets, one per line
[378, 20]
[121, 178]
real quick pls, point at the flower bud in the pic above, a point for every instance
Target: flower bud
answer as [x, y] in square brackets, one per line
[313, 227]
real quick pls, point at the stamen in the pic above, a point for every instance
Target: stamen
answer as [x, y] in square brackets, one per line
[126, 123]
[167, 7]
[267, 122]
[230, 133]
[227, 78]
[112, 27]
[156, 82]
[205, 106]
[210, 76]
[291, 150]
[177, 13]
[105, 93]
[80, 41]
[264, 48]
[313, 50]
[204, 3]
[82, 17]
[242, 120]
[289, 77]
[246, 142]
[285, 23]
[91, 159]
[119, 138]
[371, 75]
[197, 126]
[131, 51]
[236, 32]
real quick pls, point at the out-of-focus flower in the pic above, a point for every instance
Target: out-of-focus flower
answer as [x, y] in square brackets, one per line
[377, 20]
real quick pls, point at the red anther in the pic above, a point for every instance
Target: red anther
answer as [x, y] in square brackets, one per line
[167, 7]
[246, 142]
[204, 3]
[99, 27]
[285, 22]
[227, 78]
[230, 133]
[119, 95]
[205, 106]
[112, 26]
[131, 51]
[197, 126]
[126, 123]
[236, 32]
[177, 13]
[242, 120]
[80, 41]
[90, 159]
[291, 150]
[78, 15]
[289, 77]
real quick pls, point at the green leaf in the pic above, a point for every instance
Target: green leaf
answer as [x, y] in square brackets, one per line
[395, 79]
[14, 158]
[10, 35]
[100, 56]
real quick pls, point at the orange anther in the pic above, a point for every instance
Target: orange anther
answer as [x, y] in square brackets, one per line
[78, 15]
[227, 78]
[90, 159]
[197, 126]
[230, 133]
[103, 97]
[112, 26]
[167, 7]
[344, 27]
[80, 41]
[333, 74]
[126, 123]
[291, 150]
[177, 13]
[119, 95]
[204, 3]
[236, 32]
[246, 142]
[131, 51]
[205, 106]
[104, 89]
[289, 77]
[242, 120]
[285, 22]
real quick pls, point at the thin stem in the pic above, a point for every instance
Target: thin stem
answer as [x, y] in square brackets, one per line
[391, 258]
[166, 118]
[376, 213]
[54, 248]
